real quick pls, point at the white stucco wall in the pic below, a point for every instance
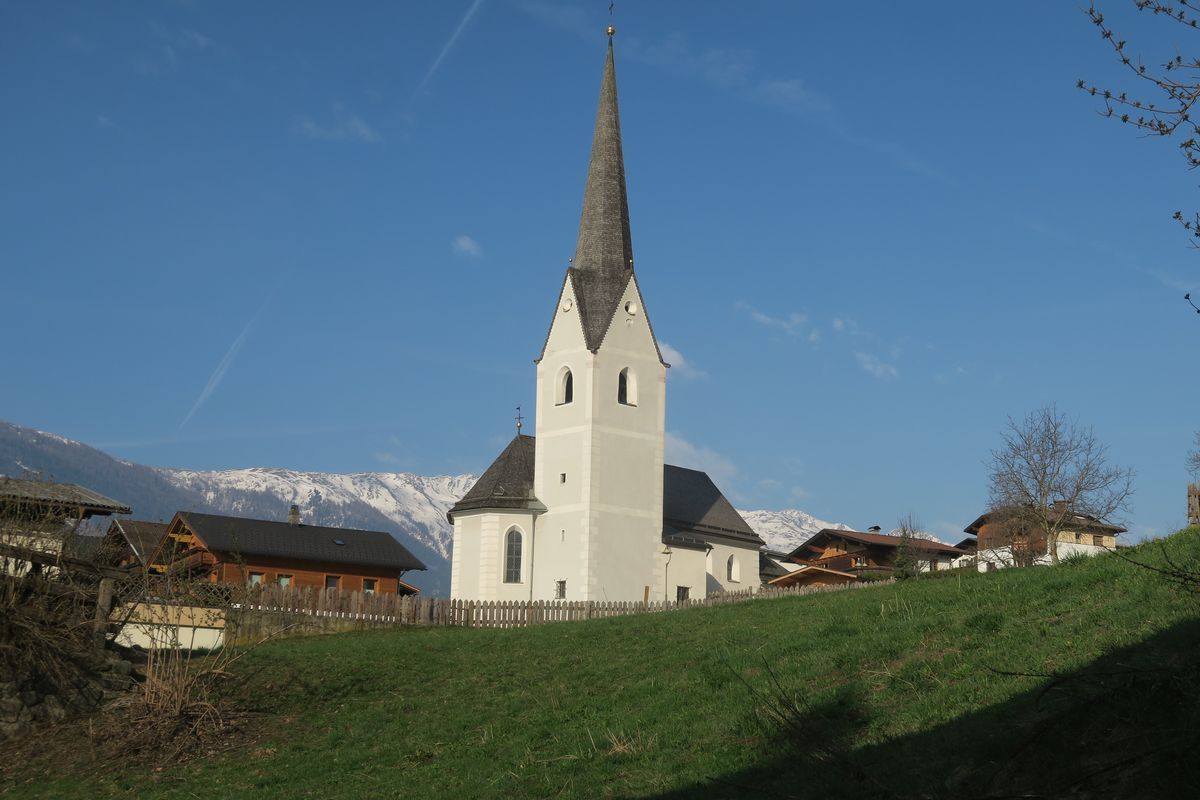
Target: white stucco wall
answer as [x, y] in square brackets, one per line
[1001, 557]
[718, 574]
[478, 560]
[598, 466]
[686, 568]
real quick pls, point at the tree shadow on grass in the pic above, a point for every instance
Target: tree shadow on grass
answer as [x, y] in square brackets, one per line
[1125, 726]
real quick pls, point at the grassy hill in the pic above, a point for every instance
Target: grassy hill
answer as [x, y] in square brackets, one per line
[1078, 680]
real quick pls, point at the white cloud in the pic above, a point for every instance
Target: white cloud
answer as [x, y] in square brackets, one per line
[872, 365]
[679, 364]
[790, 95]
[683, 453]
[793, 324]
[344, 127]
[383, 457]
[105, 121]
[464, 245]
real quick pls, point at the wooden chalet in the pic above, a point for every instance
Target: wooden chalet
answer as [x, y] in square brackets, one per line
[1000, 529]
[237, 550]
[839, 556]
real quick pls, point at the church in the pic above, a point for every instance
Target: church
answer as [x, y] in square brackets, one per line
[587, 509]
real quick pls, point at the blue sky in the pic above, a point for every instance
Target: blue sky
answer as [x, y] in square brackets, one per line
[329, 236]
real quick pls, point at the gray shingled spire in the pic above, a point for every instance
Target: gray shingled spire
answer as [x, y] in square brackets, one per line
[604, 245]
[604, 253]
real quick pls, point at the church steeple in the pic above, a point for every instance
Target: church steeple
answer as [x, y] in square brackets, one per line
[603, 263]
[604, 246]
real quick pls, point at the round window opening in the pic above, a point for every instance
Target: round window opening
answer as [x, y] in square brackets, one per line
[631, 308]
[566, 304]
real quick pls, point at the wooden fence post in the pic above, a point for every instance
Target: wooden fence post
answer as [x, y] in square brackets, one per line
[104, 601]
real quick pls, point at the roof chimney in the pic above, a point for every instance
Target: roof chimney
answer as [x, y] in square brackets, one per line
[294, 515]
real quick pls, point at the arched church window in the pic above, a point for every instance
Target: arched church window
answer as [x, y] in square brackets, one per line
[565, 390]
[512, 556]
[627, 388]
[733, 570]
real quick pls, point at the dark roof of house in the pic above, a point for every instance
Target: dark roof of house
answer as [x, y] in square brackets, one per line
[143, 537]
[877, 540]
[603, 262]
[24, 492]
[692, 504]
[768, 565]
[507, 483]
[258, 537]
[1079, 520]
[968, 544]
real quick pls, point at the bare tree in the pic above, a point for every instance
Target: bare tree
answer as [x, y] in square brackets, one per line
[1050, 473]
[1193, 460]
[1171, 88]
[906, 566]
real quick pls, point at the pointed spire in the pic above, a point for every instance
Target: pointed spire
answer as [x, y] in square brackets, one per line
[604, 246]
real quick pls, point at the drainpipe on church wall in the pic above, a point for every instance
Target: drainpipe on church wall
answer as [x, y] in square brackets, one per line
[532, 551]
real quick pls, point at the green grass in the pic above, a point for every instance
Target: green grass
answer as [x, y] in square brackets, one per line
[891, 691]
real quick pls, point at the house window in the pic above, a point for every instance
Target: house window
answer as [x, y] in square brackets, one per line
[333, 581]
[681, 593]
[562, 477]
[627, 388]
[1078, 538]
[933, 565]
[369, 585]
[256, 578]
[733, 570]
[560, 590]
[512, 556]
[285, 581]
[1098, 541]
[564, 391]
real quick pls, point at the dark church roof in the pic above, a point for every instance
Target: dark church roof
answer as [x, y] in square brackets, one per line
[693, 506]
[507, 483]
[692, 502]
[260, 537]
[603, 262]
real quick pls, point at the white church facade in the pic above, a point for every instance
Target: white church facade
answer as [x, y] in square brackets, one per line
[587, 509]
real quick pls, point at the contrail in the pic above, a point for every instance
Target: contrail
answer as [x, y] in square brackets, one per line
[215, 380]
[437, 62]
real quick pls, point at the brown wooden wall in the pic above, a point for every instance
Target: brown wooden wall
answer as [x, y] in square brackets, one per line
[304, 574]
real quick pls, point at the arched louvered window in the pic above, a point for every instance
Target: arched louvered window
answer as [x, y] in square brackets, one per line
[512, 556]
[627, 388]
[733, 570]
[565, 390]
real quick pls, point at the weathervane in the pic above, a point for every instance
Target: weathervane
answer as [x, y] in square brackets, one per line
[519, 420]
[611, 29]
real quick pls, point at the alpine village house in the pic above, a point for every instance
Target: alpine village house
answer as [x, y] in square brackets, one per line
[587, 509]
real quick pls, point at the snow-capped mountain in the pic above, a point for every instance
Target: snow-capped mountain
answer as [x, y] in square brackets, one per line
[786, 530]
[410, 507]
[414, 504]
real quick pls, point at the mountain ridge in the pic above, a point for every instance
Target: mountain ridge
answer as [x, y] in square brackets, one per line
[410, 507]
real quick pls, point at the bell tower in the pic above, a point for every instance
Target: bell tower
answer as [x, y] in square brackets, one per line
[601, 401]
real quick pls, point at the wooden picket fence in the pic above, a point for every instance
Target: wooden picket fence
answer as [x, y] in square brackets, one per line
[378, 610]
